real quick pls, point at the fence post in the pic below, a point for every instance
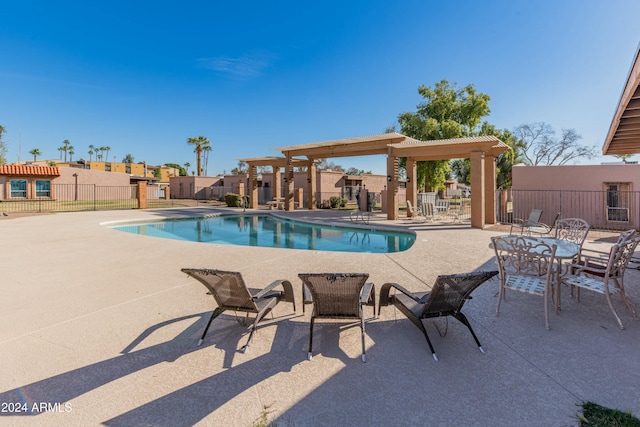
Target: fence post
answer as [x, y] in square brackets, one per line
[142, 195]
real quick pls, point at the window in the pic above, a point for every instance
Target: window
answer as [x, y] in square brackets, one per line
[43, 188]
[19, 188]
[618, 202]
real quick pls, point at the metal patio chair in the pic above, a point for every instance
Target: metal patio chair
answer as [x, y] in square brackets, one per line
[606, 278]
[524, 226]
[446, 298]
[230, 292]
[526, 265]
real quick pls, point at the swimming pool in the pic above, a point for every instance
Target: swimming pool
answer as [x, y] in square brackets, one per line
[269, 231]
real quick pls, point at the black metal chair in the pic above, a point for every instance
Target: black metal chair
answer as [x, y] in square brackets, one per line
[337, 296]
[448, 295]
[231, 293]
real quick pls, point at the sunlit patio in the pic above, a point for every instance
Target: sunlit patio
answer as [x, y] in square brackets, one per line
[100, 327]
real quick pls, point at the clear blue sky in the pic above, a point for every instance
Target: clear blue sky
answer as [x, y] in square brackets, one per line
[142, 77]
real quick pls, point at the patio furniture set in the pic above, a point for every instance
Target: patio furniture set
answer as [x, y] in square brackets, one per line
[438, 210]
[533, 265]
[540, 265]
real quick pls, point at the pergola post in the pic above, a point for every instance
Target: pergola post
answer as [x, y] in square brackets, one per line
[311, 186]
[478, 189]
[253, 186]
[392, 187]
[490, 216]
[277, 182]
[411, 183]
[288, 197]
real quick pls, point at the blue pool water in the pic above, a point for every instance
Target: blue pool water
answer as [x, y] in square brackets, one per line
[272, 232]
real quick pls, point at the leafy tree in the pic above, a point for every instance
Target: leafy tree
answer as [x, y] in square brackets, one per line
[539, 145]
[3, 149]
[356, 172]
[35, 153]
[448, 112]
[157, 172]
[181, 171]
[200, 142]
[241, 169]
[128, 159]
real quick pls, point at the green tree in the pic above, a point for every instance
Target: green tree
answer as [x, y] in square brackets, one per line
[447, 112]
[3, 149]
[35, 153]
[206, 150]
[181, 171]
[241, 169]
[187, 165]
[200, 142]
[623, 157]
[91, 151]
[128, 159]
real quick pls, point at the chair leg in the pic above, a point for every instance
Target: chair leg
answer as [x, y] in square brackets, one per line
[215, 314]
[463, 319]
[310, 355]
[613, 309]
[362, 331]
[426, 335]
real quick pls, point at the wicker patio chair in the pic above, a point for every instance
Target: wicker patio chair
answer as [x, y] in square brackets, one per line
[338, 296]
[606, 279]
[446, 298]
[526, 265]
[231, 293]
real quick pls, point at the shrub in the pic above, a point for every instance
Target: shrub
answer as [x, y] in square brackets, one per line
[335, 201]
[343, 202]
[233, 200]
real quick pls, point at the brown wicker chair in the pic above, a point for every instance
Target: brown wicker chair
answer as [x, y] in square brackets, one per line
[337, 296]
[448, 295]
[231, 293]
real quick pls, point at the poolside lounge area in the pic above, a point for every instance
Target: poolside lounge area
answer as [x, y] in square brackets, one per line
[99, 327]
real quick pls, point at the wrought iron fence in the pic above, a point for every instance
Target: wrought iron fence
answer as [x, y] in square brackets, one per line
[89, 197]
[604, 210]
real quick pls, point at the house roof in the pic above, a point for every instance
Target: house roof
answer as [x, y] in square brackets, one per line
[624, 133]
[25, 170]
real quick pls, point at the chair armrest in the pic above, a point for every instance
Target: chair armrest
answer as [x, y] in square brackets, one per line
[583, 267]
[518, 223]
[541, 225]
[286, 285]
[384, 294]
[368, 294]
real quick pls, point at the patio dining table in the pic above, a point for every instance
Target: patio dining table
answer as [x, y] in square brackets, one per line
[565, 251]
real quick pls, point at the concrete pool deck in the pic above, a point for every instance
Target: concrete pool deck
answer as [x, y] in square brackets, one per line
[99, 327]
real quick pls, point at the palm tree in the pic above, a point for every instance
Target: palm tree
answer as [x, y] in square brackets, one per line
[71, 153]
[200, 142]
[187, 165]
[206, 149]
[106, 149]
[128, 159]
[91, 151]
[61, 149]
[67, 146]
[35, 152]
[3, 149]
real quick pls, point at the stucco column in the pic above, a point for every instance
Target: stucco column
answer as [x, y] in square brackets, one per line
[311, 186]
[392, 187]
[411, 183]
[253, 187]
[288, 197]
[277, 182]
[490, 189]
[477, 189]
[142, 195]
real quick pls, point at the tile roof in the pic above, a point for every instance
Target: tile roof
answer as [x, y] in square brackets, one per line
[24, 170]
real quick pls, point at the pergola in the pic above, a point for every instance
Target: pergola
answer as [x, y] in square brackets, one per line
[481, 150]
[624, 133]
